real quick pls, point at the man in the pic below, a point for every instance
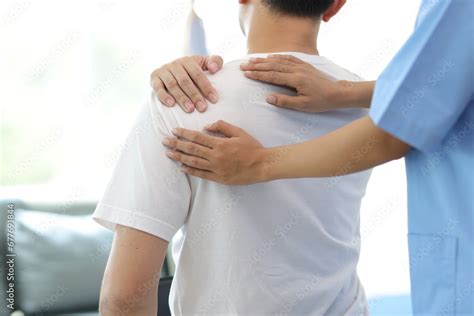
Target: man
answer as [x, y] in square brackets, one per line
[284, 247]
[422, 107]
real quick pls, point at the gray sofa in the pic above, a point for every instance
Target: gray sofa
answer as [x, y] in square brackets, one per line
[57, 259]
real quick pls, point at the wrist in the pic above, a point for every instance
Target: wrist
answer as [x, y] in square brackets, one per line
[340, 95]
[349, 94]
[264, 165]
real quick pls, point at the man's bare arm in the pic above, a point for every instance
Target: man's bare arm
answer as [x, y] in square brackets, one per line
[130, 284]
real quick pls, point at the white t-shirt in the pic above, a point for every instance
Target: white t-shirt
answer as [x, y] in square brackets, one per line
[282, 247]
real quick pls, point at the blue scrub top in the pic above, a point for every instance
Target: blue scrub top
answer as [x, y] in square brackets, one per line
[425, 98]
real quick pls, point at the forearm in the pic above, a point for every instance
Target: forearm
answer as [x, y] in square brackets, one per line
[354, 94]
[355, 147]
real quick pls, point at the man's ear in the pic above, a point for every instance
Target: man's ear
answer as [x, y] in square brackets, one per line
[333, 9]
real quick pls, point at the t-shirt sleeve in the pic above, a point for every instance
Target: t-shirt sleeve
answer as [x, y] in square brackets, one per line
[425, 89]
[147, 191]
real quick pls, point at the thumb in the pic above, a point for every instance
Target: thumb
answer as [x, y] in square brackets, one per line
[285, 101]
[213, 63]
[225, 128]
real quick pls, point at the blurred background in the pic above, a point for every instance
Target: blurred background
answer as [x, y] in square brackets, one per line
[73, 77]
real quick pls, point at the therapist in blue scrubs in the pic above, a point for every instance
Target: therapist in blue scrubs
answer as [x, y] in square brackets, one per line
[422, 108]
[425, 98]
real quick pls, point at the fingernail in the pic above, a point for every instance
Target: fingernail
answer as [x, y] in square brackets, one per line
[170, 154]
[271, 99]
[208, 126]
[166, 141]
[201, 106]
[244, 64]
[174, 131]
[213, 66]
[212, 97]
[252, 59]
[248, 73]
[189, 106]
[169, 101]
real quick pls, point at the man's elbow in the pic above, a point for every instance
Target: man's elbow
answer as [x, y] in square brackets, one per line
[110, 305]
[123, 304]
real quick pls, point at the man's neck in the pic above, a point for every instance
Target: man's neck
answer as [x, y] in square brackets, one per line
[271, 34]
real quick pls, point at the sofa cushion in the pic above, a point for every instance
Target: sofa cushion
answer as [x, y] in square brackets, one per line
[60, 261]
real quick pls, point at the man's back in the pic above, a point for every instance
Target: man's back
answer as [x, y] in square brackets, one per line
[288, 246]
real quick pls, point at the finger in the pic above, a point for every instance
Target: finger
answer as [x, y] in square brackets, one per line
[286, 57]
[268, 66]
[160, 89]
[187, 147]
[175, 90]
[201, 80]
[275, 77]
[203, 174]
[189, 160]
[281, 100]
[196, 137]
[188, 86]
[213, 63]
[225, 128]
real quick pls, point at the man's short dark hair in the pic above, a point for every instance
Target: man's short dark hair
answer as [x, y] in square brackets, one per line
[300, 8]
